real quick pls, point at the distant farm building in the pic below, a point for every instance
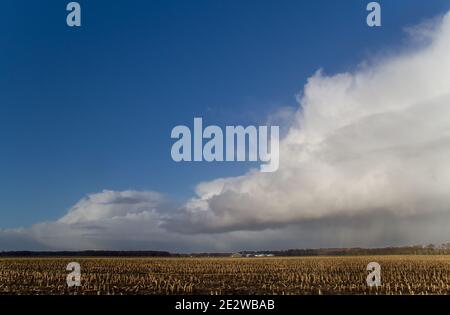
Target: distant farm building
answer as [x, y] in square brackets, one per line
[236, 255]
[259, 255]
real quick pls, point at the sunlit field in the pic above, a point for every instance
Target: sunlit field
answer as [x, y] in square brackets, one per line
[277, 275]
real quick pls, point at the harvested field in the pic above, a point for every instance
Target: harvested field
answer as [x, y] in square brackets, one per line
[277, 275]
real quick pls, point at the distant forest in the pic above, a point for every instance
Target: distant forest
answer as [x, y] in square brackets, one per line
[443, 249]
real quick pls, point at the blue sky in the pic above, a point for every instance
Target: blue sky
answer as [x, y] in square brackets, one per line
[82, 110]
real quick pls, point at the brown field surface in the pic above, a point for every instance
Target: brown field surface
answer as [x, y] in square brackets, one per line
[277, 275]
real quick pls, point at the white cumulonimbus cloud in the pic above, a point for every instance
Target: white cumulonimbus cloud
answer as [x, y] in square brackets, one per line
[364, 162]
[374, 140]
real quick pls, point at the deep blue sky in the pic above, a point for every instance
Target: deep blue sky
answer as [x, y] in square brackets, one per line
[82, 110]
